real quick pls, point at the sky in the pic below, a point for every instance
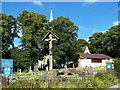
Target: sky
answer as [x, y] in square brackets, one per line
[90, 17]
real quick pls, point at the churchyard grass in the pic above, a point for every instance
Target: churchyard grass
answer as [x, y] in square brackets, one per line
[41, 80]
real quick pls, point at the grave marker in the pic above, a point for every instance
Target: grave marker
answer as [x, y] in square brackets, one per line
[65, 67]
[30, 70]
[90, 70]
[20, 71]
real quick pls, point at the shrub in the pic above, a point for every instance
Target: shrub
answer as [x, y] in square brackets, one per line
[101, 75]
[117, 66]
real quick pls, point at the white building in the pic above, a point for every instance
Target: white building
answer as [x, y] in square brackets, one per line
[94, 60]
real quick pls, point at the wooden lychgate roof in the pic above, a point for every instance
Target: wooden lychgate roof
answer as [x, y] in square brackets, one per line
[50, 32]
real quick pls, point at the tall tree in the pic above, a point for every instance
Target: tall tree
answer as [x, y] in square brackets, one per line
[33, 30]
[111, 41]
[96, 42]
[106, 43]
[8, 28]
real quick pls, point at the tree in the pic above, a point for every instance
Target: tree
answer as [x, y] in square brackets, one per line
[8, 28]
[64, 49]
[96, 42]
[33, 30]
[106, 43]
[80, 43]
[21, 59]
[111, 42]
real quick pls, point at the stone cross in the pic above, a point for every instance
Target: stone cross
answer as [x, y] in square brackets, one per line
[51, 37]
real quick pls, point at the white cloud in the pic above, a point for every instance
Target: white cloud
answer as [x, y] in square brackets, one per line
[116, 23]
[38, 2]
[89, 2]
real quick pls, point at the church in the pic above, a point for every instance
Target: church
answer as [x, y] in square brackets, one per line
[94, 60]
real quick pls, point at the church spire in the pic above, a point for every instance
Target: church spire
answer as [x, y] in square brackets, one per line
[87, 50]
[51, 15]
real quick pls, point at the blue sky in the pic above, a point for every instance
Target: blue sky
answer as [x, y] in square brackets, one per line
[90, 17]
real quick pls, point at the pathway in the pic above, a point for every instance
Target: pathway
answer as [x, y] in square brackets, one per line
[115, 87]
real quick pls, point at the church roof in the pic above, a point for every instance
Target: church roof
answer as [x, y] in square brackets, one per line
[94, 56]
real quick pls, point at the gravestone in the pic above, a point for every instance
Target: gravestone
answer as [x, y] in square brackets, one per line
[65, 67]
[30, 70]
[35, 68]
[90, 70]
[79, 65]
[20, 71]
